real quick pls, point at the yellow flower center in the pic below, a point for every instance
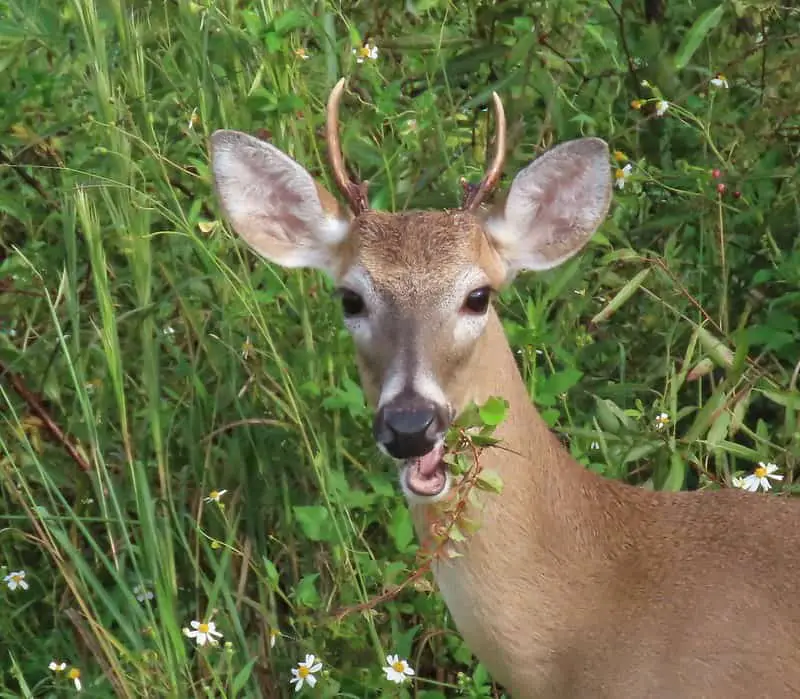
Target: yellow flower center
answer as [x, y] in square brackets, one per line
[620, 174]
[203, 628]
[398, 666]
[760, 472]
[303, 672]
[214, 495]
[619, 156]
[17, 578]
[74, 673]
[363, 52]
[636, 104]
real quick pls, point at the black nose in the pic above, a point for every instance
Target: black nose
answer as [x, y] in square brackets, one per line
[409, 426]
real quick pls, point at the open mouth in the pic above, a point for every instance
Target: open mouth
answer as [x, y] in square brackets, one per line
[426, 475]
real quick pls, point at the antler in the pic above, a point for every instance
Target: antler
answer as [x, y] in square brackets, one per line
[354, 192]
[474, 195]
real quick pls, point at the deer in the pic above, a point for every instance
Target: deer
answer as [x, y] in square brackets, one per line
[573, 585]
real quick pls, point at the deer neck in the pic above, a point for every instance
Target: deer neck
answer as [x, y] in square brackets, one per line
[541, 480]
[536, 540]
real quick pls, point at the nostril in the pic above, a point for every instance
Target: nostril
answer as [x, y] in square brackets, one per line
[381, 429]
[409, 422]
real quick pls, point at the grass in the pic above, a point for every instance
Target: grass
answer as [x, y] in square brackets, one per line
[174, 364]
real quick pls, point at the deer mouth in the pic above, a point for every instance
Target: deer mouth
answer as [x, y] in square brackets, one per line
[426, 476]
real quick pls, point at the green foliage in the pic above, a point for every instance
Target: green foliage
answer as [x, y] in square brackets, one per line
[176, 364]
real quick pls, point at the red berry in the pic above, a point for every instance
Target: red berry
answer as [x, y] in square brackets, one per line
[737, 194]
[716, 174]
[721, 188]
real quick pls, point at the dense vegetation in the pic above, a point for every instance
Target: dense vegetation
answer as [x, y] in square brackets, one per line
[148, 359]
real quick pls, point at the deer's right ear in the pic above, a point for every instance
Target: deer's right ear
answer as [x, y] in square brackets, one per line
[274, 204]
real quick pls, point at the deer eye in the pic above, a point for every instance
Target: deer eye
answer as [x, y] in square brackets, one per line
[477, 300]
[352, 303]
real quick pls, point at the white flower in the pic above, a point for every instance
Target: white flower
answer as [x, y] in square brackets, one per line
[203, 632]
[215, 495]
[75, 675]
[56, 666]
[304, 673]
[621, 175]
[662, 420]
[397, 671]
[168, 330]
[367, 51]
[737, 482]
[273, 636]
[16, 579]
[594, 445]
[661, 107]
[719, 80]
[142, 593]
[760, 477]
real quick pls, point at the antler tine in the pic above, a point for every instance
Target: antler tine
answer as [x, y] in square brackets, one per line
[473, 196]
[354, 192]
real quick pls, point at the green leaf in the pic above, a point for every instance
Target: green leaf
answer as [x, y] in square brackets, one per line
[490, 480]
[694, 37]
[306, 591]
[401, 528]
[272, 573]
[493, 411]
[455, 534]
[315, 522]
[676, 475]
[243, 676]
[621, 297]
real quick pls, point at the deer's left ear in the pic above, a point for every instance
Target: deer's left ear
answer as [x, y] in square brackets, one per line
[554, 206]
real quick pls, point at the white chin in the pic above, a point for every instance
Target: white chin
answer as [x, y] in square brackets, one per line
[417, 499]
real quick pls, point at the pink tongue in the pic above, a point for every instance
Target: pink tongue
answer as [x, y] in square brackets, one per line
[426, 475]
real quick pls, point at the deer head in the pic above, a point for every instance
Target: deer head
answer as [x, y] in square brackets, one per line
[415, 287]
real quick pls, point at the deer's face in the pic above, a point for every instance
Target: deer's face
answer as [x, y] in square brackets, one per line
[415, 287]
[415, 298]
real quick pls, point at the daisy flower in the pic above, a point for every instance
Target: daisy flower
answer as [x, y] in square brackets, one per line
[57, 666]
[304, 673]
[719, 80]
[203, 632]
[16, 579]
[215, 495]
[661, 107]
[397, 671]
[760, 477]
[75, 675]
[662, 420]
[366, 52]
[621, 175]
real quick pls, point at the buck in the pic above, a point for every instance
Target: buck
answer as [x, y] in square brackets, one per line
[573, 585]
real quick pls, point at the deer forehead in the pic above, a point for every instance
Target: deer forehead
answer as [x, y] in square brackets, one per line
[420, 255]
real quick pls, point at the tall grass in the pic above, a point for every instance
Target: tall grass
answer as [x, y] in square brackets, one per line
[177, 365]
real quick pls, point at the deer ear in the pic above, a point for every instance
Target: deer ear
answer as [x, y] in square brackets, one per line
[554, 206]
[274, 204]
